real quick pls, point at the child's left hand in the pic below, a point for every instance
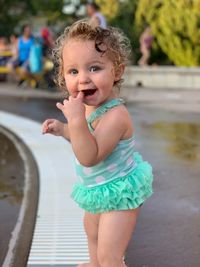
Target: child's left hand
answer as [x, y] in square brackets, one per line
[73, 108]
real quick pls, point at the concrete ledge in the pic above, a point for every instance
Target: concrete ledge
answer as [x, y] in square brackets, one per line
[59, 237]
[21, 237]
[163, 77]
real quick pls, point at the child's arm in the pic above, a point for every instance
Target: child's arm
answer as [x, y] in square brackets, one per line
[55, 127]
[89, 148]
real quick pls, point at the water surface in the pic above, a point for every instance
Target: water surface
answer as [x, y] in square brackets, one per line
[11, 191]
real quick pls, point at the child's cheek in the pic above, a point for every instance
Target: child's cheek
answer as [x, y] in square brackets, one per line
[73, 93]
[65, 79]
[71, 86]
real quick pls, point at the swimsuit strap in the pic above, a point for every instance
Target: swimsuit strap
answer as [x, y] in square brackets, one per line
[103, 109]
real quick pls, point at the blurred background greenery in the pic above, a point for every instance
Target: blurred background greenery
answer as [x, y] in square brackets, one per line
[175, 25]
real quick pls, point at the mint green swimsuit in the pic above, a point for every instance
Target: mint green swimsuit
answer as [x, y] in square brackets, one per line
[122, 181]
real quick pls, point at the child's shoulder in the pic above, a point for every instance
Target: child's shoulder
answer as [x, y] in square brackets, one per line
[117, 117]
[118, 112]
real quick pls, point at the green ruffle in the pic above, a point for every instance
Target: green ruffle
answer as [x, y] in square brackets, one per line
[128, 192]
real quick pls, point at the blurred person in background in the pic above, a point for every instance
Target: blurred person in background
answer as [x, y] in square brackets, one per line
[97, 19]
[13, 47]
[5, 56]
[36, 56]
[146, 40]
[3, 44]
[48, 42]
[48, 65]
[24, 44]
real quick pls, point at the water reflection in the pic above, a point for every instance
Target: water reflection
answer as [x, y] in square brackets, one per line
[13, 195]
[184, 138]
[11, 172]
[11, 191]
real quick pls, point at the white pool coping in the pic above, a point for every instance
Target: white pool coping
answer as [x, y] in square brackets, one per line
[59, 237]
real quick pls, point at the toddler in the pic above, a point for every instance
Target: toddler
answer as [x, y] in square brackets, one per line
[114, 180]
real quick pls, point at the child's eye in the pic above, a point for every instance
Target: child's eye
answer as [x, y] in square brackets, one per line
[94, 68]
[73, 71]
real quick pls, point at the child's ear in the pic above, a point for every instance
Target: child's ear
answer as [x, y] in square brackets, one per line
[119, 71]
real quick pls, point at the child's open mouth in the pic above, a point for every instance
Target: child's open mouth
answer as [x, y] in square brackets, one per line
[89, 92]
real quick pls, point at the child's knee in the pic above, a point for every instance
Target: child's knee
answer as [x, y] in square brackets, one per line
[92, 235]
[107, 257]
[91, 228]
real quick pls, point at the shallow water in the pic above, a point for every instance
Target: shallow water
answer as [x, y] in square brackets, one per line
[167, 232]
[183, 138]
[11, 191]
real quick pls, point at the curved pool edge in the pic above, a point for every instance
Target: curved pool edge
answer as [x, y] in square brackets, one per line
[22, 234]
[58, 234]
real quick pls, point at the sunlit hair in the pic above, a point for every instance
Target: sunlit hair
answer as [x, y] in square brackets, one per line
[111, 41]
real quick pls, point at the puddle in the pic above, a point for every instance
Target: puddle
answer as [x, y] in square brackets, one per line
[11, 191]
[11, 172]
[184, 138]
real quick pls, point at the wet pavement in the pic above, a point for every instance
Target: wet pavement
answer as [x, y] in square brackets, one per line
[167, 232]
[11, 190]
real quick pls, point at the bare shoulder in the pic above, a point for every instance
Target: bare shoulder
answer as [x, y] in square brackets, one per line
[118, 118]
[118, 112]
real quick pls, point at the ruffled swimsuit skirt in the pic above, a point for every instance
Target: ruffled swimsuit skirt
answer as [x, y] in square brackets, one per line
[128, 192]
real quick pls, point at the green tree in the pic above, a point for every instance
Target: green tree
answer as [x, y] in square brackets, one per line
[11, 13]
[14, 11]
[109, 8]
[52, 9]
[176, 27]
[124, 19]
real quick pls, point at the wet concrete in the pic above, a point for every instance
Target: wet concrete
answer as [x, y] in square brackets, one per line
[167, 232]
[33, 108]
[11, 191]
[19, 186]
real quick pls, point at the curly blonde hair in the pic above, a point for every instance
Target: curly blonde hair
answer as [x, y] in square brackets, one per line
[110, 40]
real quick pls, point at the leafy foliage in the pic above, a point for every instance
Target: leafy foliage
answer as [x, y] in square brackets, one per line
[176, 27]
[110, 8]
[14, 11]
[124, 19]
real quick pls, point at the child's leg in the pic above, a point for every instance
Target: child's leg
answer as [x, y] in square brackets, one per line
[115, 231]
[91, 224]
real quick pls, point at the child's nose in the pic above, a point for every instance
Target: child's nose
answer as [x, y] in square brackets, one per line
[83, 78]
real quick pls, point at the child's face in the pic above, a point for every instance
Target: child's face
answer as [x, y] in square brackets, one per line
[88, 71]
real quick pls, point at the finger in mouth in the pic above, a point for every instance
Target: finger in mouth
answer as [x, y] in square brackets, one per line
[89, 92]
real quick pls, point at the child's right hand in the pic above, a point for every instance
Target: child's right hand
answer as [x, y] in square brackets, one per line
[54, 127]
